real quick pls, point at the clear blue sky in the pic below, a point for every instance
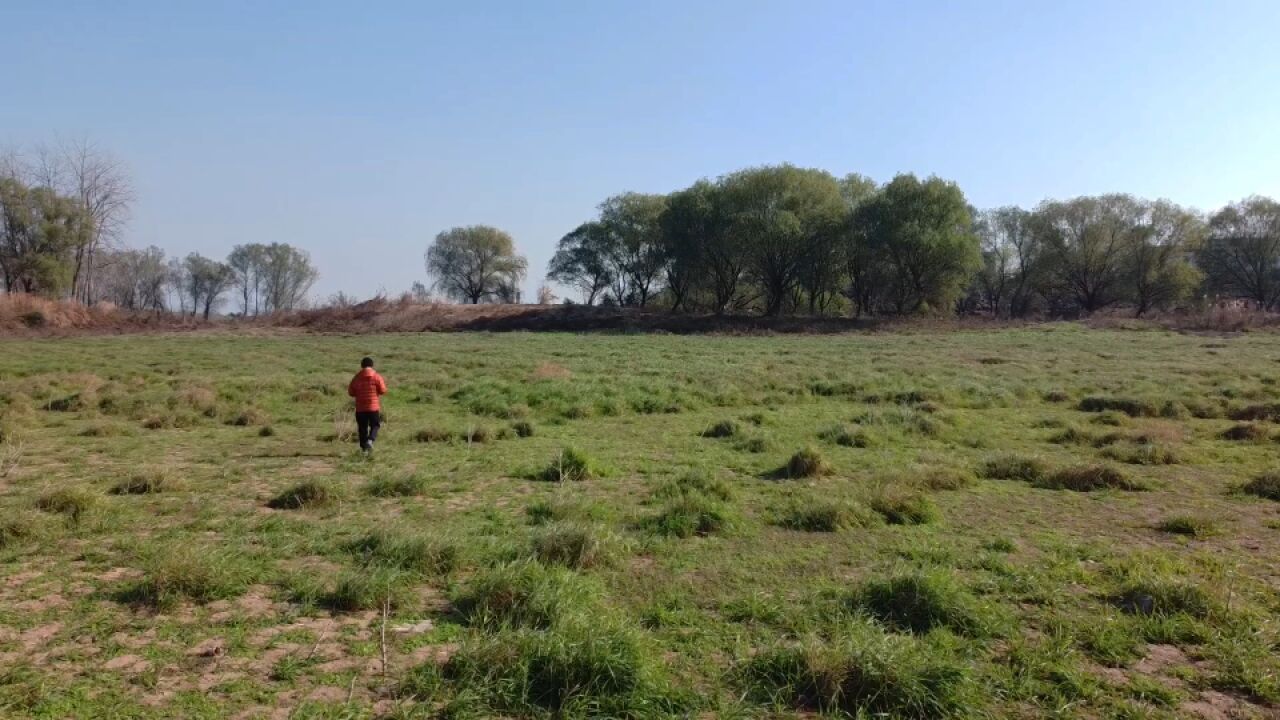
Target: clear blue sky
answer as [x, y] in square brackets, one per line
[359, 131]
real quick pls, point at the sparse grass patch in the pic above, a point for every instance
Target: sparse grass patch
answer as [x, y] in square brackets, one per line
[369, 588]
[1088, 478]
[694, 482]
[306, 494]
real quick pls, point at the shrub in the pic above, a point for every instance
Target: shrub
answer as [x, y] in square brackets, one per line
[409, 552]
[690, 515]
[1266, 485]
[694, 482]
[1164, 597]
[142, 483]
[183, 573]
[367, 589]
[71, 503]
[861, 673]
[904, 507]
[722, 429]
[816, 514]
[405, 485]
[522, 429]
[572, 545]
[570, 465]
[1128, 406]
[524, 594]
[806, 462]
[1196, 527]
[1087, 478]
[919, 602]
[1244, 432]
[1013, 467]
[306, 494]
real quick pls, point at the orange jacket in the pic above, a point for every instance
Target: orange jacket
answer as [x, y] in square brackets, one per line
[365, 387]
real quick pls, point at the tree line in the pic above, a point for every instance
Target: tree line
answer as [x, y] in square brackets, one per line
[783, 239]
[62, 210]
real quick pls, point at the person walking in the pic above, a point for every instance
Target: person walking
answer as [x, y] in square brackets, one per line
[367, 387]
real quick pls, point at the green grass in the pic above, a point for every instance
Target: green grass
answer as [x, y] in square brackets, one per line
[922, 571]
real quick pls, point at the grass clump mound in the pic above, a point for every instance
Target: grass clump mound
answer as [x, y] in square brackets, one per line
[944, 479]
[72, 503]
[689, 515]
[579, 670]
[522, 429]
[410, 552]
[1128, 406]
[1088, 478]
[1189, 525]
[920, 602]
[904, 507]
[1265, 411]
[1245, 432]
[142, 483]
[1143, 453]
[1013, 467]
[571, 465]
[695, 482]
[524, 594]
[368, 588]
[807, 462]
[862, 673]
[432, 435]
[197, 575]
[722, 429]
[846, 436]
[817, 514]
[1266, 486]
[306, 494]
[572, 545]
[406, 485]
[1164, 598]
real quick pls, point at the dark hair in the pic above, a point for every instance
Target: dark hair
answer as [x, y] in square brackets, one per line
[366, 362]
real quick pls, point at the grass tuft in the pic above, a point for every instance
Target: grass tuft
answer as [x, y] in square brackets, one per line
[306, 494]
[524, 594]
[1129, 406]
[899, 506]
[198, 575]
[405, 485]
[690, 515]
[571, 465]
[920, 602]
[1266, 486]
[807, 462]
[144, 482]
[72, 503]
[411, 552]
[818, 514]
[572, 545]
[1189, 525]
[1088, 478]
[722, 429]
[1013, 467]
[1245, 432]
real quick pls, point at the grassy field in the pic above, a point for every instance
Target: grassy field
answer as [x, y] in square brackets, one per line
[1041, 522]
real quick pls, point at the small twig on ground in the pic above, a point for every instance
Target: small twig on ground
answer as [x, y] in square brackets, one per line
[386, 608]
[316, 647]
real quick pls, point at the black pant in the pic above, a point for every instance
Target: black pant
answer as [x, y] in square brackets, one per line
[368, 423]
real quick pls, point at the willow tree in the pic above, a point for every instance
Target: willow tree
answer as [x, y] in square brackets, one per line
[475, 263]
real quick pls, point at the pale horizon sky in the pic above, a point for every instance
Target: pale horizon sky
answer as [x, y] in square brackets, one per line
[359, 133]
